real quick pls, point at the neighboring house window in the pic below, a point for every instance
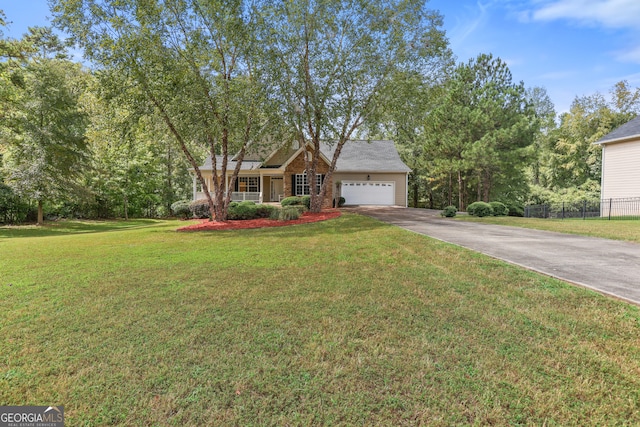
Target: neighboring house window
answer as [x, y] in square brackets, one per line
[302, 185]
[248, 184]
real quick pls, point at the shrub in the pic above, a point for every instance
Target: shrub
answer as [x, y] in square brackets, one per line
[249, 210]
[499, 209]
[479, 209]
[288, 213]
[275, 213]
[12, 208]
[181, 209]
[266, 211]
[306, 201]
[449, 211]
[341, 202]
[515, 208]
[243, 211]
[291, 201]
[200, 209]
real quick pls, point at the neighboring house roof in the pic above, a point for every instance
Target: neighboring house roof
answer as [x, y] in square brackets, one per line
[628, 131]
[356, 156]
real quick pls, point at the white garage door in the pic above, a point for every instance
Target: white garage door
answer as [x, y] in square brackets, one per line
[368, 192]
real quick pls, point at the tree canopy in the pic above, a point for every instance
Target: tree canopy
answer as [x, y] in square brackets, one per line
[331, 65]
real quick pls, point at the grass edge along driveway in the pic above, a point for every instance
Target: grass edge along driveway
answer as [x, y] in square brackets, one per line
[617, 229]
[343, 322]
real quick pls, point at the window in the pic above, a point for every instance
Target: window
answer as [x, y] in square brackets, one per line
[248, 184]
[301, 185]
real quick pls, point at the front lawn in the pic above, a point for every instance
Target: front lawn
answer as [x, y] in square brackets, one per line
[617, 229]
[343, 322]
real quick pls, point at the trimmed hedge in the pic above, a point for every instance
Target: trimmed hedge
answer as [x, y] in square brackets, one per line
[449, 211]
[480, 209]
[200, 208]
[499, 209]
[181, 209]
[297, 201]
[249, 210]
[291, 201]
[243, 211]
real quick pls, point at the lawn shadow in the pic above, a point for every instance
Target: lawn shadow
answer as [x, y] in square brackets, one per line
[67, 227]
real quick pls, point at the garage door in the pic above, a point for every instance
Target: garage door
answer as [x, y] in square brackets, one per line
[368, 192]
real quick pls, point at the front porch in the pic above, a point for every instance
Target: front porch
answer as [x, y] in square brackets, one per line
[259, 189]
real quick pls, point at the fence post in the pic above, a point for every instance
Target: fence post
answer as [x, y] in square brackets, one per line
[544, 210]
[610, 204]
[562, 210]
[584, 209]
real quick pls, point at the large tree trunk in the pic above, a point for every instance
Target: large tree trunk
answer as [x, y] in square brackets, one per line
[40, 213]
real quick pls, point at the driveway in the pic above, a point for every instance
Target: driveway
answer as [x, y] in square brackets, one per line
[607, 266]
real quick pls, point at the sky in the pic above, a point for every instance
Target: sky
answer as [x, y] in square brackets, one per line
[570, 47]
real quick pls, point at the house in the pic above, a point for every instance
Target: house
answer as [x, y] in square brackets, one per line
[621, 162]
[366, 173]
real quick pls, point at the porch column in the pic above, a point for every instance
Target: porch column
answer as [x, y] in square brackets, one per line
[195, 187]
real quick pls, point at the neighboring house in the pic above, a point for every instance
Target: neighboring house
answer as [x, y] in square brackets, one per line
[367, 173]
[621, 162]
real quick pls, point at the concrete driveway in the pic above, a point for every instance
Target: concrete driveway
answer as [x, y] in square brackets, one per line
[607, 266]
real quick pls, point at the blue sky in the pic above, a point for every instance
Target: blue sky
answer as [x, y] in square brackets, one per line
[570, 47]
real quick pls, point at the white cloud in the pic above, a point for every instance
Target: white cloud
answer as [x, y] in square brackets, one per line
[629, 55]
[464, 29]
[607, 13]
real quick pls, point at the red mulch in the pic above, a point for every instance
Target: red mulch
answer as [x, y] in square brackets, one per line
[306, 218]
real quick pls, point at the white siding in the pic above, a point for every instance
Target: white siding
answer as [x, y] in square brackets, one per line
[621, 170]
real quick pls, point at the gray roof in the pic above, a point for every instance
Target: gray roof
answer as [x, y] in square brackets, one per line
[626, 131]
[231, 164]
[356, 156]
[367, 156]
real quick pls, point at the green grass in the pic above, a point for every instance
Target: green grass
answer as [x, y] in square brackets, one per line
[343, 322]
[628, 230]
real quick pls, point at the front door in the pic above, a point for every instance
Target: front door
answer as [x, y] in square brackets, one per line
[277, 188]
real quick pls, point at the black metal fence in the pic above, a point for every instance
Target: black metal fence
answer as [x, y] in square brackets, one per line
[605, 208]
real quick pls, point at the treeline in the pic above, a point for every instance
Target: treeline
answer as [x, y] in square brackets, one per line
[69, 146]
[476, 135]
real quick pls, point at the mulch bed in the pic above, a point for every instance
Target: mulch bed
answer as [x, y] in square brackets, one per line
[306, 218]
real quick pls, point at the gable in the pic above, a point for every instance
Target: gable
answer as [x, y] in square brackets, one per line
[280, 156]
[296, 161]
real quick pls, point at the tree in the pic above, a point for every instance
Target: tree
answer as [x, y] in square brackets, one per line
[546, 114]
[45, 126]
[480, 130]
[331, 66]
[194, 61]
[136, 169]
[575, 159]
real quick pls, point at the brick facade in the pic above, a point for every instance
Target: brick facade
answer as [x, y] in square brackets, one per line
[297, 167]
